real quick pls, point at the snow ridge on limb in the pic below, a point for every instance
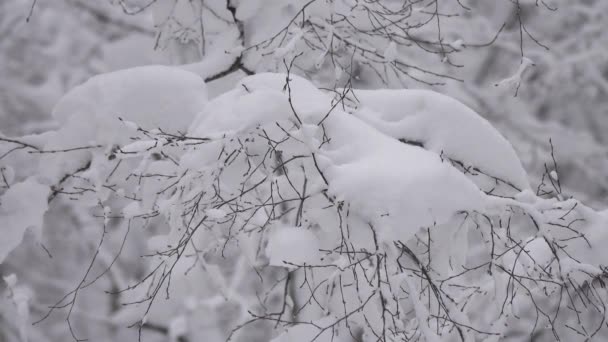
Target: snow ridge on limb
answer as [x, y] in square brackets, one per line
[447, 127]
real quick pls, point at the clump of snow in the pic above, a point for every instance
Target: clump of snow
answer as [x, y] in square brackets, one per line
[553, 175]
[413, 188]
[141, 146]
[104, 111]
[10, 280]
[22, 207]
[292, 245]
[148, 97]
[443, 125]
[526, 196]
[394, 184]
[220, 58]
[259, 99]
[458, 44]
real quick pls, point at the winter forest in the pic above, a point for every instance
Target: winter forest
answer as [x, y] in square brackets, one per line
[303, 170]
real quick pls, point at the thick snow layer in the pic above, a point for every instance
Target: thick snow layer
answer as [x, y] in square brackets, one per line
[393, 184]
[21, 207]
[149, 96]
[397, 186]
[90, 115]
[20, 297]
[442, 125]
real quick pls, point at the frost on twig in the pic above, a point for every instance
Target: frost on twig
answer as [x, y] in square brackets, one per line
[513, 82]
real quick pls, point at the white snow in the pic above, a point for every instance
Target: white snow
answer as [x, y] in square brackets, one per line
[442, 125]
[148, 97]
[140, 146]
[22, 207]
[553, 175]
[458, 44]
[395, 185]
[295, 245]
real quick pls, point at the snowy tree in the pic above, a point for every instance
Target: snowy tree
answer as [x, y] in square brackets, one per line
[357, 215]
[293, 208]
[467, 48]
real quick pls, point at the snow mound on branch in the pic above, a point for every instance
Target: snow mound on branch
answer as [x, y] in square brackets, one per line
[386, 182]
[104, 111]
[21, 207]
[392, 184]
[149, 96]
[443, 125]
